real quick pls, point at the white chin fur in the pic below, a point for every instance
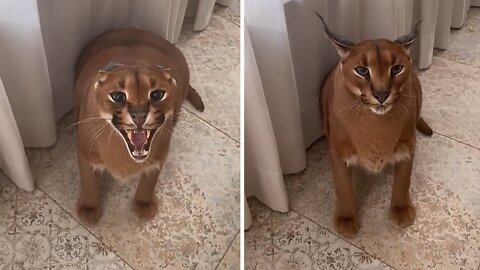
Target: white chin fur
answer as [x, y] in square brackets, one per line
[380, 111]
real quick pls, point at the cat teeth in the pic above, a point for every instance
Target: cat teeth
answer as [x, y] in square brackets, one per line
[138, 131]
[141, 153]
[148, 133]
[129, 134]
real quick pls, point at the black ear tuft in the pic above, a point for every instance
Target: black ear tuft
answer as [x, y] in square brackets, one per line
[408, 39]
[110, 66]
[342, 44]
[161, 67]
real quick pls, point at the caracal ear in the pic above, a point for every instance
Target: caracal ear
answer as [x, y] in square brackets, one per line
[168, 74]
[343, 45]
[104, 73]
[407, 40]
[109, 67]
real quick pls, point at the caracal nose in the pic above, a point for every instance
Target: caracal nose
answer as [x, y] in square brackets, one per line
[139, 118]
[381, 96]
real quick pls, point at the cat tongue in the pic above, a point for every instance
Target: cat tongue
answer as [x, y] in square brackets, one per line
[139, 138]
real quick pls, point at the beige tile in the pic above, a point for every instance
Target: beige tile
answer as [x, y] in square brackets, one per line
[39, 234]
[294, 242]
[258, 239]
[213, 56]
[451, 101]
[231, 261]
[198, 198]
[463, 44]
[231, 13]
[446, 233]
[7, 210]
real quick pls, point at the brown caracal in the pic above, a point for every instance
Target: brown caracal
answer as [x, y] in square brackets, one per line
[129, 90]
[371, 103]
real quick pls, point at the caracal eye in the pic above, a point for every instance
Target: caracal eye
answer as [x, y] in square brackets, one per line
[157, 95]
[395, 69]
[118, 96]
[362, 71]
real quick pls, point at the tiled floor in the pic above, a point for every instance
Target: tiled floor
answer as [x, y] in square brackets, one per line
[198, 222]
[445, 189]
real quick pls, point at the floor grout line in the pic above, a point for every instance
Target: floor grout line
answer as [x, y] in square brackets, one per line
[456, 140]
[229, 246]
[455, 61]
[226, 19]
[210, 124]
[341, 237]
[85, 227]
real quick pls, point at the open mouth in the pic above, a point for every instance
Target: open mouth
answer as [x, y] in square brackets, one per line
[138, 141]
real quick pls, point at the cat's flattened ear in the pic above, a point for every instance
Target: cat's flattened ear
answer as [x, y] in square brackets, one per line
[104, 73]
[109, 67]
[343, 45]
[101, 81]
[170, 78]
[161, 67]
[407, 40]
[167, 72]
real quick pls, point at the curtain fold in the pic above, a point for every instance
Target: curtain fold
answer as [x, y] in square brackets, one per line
[12, 155]
[263, 174]
[266, 26]
[24, 72]
[293, 57]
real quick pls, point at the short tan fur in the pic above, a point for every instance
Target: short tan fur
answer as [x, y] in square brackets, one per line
[371, 103]
[130, 86]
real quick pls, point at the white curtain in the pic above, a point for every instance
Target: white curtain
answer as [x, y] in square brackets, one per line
[261, 153]
[40, 41]
[12, 156]
[293, 57]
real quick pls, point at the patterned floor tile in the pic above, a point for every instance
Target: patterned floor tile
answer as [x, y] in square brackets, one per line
[35, 233]
[214, 59]
[460, 45]
[198, 198]
[231, 13]
[451, 101]
[447, 211]
[290, 241]
[258, 242]
[231, 261]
